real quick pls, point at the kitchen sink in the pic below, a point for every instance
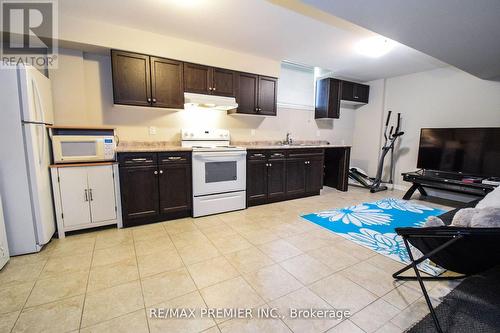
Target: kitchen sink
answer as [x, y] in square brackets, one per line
[299, 145]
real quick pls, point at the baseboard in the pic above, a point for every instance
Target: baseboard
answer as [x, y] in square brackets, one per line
[400, 187]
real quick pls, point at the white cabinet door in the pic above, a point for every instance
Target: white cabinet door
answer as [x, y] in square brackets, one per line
[102, 193]
[74, 196]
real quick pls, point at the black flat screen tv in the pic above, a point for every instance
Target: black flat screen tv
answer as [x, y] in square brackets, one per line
[469, 151]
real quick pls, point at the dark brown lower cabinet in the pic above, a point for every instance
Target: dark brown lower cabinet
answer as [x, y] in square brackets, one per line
[276, 179]
[337, 167]
[314, 174]
[304, 172]
[266, 177]
[279, 175]
[139, 192]
[175, 188]
[295, 176]
[157, 192]
[256, 179]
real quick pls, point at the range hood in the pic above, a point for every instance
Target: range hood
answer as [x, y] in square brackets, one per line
[209, 102]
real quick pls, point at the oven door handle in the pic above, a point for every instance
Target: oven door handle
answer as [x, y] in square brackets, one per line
[220, 154]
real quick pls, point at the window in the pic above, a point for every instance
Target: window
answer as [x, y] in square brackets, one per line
[296, 86]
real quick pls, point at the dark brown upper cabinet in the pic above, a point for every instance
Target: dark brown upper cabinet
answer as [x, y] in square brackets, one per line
[355, 92]
[166, 83]
[197, 79]
[131, 78]
[328, 95]
[208, 80]
[147, 81]
[256, 94]
[246, 93]
[223, 82]
[331, 93]
[144, 80]
[268, 88]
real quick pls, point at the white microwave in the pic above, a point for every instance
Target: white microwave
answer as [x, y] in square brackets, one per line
[83, 148]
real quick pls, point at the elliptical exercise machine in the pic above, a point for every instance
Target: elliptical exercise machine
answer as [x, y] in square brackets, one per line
[375, 184]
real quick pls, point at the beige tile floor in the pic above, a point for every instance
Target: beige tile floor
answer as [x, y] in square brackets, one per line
[266, 256]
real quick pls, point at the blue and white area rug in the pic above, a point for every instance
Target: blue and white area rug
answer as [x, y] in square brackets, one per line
[373, 226]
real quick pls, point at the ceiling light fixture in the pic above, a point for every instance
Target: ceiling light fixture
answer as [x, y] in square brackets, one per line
[375, 47]
[186, 3]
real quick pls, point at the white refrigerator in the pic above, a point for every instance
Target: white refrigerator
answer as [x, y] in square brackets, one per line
[25, 111]
[4, 248]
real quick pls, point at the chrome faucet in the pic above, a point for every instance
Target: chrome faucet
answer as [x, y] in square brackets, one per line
[288, 140]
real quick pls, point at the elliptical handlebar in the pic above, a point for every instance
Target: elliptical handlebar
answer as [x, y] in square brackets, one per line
[398, 123]
[398, 134]
[386, 125]
[388, 118]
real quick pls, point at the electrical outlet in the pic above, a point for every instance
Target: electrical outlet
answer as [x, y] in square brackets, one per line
[252, 132]
[152, 130]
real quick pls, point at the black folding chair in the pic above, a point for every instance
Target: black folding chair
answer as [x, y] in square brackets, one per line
[462, 250]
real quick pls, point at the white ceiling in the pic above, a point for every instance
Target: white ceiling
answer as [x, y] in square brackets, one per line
[278, 29]
[464, 33]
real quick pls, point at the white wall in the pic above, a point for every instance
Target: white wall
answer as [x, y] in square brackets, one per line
[445, 97]
[83, 95]
[93, 34]
[368, 128]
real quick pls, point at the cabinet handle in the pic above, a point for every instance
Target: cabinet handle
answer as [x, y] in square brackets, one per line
[91, 195]
[270, 164]
[86, 195]
[210, 88]
[154, 100]
[257, 155]
[139, 159]
[161, 172]
[156, 172]
[149, 100]
[213, 88]
[174, 158]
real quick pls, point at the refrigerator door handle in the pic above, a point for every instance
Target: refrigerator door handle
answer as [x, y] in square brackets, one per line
[38, 142]
[36, 101]
[44, 142]
[42, 118]
[40, 104]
